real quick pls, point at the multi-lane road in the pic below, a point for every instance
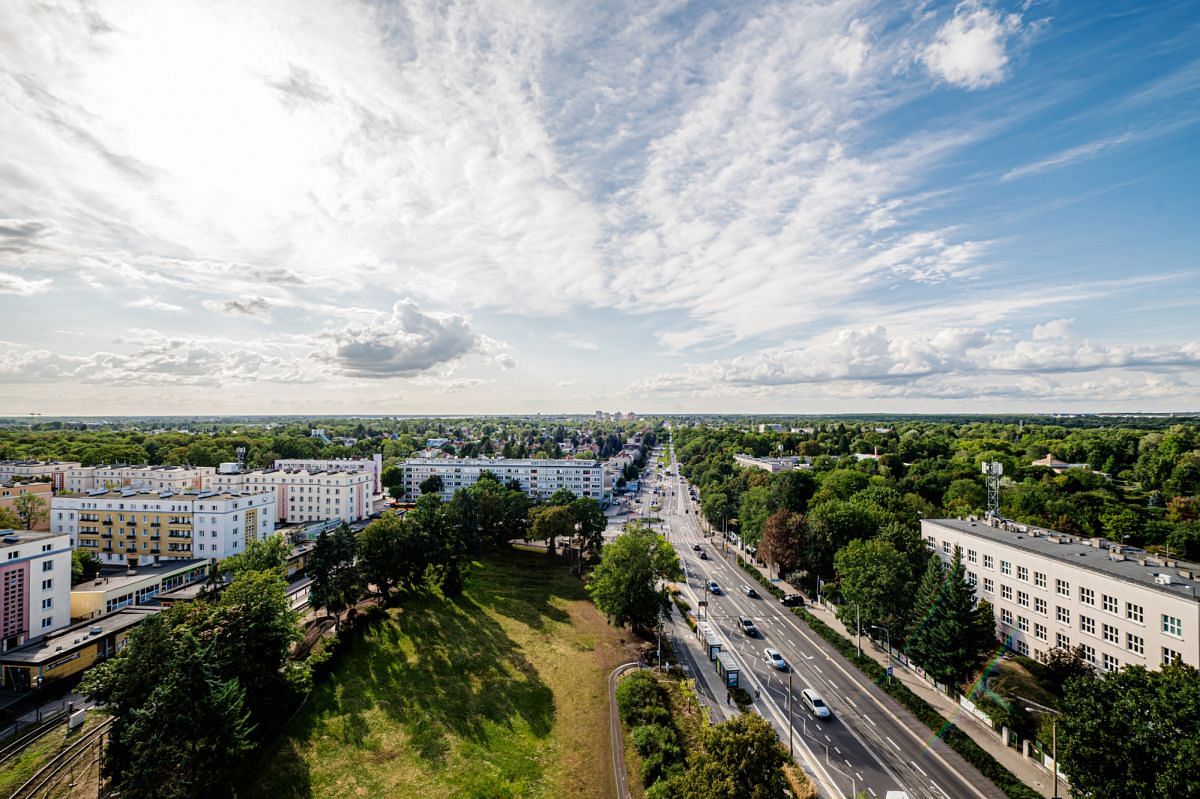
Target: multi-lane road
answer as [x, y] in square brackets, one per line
[870, 745]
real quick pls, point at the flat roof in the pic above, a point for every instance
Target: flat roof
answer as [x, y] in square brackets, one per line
[134, 492]
[1132, 565]
[76, 636]
[114, 580]
[25, 536]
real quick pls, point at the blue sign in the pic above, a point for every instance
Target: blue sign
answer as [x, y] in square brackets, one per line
[889, 671]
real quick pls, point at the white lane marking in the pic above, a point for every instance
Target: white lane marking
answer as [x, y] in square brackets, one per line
[938, 788]
[871, 791]
[893, 743]
[818, 668]
[918, 768]
[839, 751]
[869, 721]
[827, 738]
[847, 762]
[831, 682]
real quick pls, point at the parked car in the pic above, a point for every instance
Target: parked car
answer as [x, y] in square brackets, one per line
[713, 588]
[815, 704]
[749, 591]
[773, 657]
[747, 626]
[793, 600]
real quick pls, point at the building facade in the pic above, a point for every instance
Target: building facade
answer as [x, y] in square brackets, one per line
[133, 527]
[55, 472]
[10, 492]
[81, 479]
[35, 585]
[1050, 589]
[113, 590]
[372, 466]
[303, 496]
[537, 478]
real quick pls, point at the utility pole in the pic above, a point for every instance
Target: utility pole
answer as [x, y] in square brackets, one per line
[1053, 714]
[858, 626]
[790, 753]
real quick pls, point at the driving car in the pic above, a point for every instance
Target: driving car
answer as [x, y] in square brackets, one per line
[749, 591]
[703, 555]
[815, 704]
[695, 547]
[773, 657]
[713, 588]
[793, 600]
[747, 626]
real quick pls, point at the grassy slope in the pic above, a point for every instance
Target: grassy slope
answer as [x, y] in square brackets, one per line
[501, 693]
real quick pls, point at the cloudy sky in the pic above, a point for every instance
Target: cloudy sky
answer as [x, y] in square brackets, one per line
[509, 206]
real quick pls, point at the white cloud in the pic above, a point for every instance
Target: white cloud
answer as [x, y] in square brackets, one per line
[253, 307]
[575, 342]
[1068, 156]
[154, 304]
[970, 49]
[15, 284]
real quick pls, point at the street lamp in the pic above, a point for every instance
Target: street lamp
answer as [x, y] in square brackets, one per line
[1053, 714]
[889, 646]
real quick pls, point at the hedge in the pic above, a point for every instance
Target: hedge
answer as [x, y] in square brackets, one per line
[955, 738]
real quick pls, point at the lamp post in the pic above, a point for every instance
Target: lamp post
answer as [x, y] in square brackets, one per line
[889, 646]
[1053, 714]
[790, 753]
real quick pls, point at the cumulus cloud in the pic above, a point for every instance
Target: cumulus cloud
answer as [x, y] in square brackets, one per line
[253, 307]
[21, 287]
[23, 235]
[970, 50]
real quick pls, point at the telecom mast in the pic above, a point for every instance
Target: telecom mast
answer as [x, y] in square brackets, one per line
[992, 471]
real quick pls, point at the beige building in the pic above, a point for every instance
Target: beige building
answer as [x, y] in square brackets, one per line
[53, 471]
[1051, 589]
[539, 478]
[303, 495]
[81, 479]
[9, 492]
[111, 591]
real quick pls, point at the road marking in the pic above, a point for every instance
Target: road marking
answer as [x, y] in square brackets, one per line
[893, 743]
[847, 762]
[831, 682]
[918, 768]
[938, 788]
[818, 668]
[869, 721]
[871, 791]
[827, 738]
[839, 751]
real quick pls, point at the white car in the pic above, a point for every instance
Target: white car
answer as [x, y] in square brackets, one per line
[815, 704]
[773, 657]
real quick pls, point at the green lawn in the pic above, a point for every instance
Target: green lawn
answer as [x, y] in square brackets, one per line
[501, 693]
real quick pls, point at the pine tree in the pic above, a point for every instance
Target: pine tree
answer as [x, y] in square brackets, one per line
[917, 644]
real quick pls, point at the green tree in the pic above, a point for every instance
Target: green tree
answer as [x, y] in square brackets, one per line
[269, 555]
[626, 584]
[31, 509]
[832, 525]
[752, 514]
[84, 566]
[874, 577]
[740, 759]
[948, 632]
[783, 540]
[563, 496]
[551, 522]
[1132, 734]
[433, 484]
[590, 523]
[9, 520]
[792, 490]
[380, 553]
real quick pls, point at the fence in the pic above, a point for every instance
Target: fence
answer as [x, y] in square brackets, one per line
[45, 714]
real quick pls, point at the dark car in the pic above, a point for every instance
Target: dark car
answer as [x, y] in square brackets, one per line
[793, 600]
[695, 547]
[747, 626]
[703, 555]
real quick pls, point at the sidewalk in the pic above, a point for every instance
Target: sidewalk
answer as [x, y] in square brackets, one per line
[709, 686]
[1025, 769]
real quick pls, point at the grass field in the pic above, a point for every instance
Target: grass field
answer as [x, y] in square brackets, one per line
[500, 693]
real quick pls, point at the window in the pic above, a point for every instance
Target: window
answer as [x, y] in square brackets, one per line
[1005, 567]
[988, 585]
[1039, 605]
[1134, 612]
[1089, 654]
[1039, 632]
[1062, 587]
[47, 565]
[1110, 663]
[971, 556]
[47, 585]
[1061, 641]
[47, 603]
[1039, 579]
[14, 555]
[1087, 624]
[1109, 603]
[972, 580]
[946, 547]
[1023, 599]
[1172, 626]
[1022, 648]
[1135, 644]
[47, 622]
[1023, 574]
[1006, 591]
[1110, 634]
[1006, 616]
[1170, 656]
[1022, 623]
[987, 562]
[1062, 614]
[1087, 596]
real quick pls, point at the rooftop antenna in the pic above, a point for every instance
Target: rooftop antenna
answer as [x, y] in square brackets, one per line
[992, 471]
[241, 456]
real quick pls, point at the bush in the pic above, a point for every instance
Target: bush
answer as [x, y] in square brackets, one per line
[659, 747]
[641, 700]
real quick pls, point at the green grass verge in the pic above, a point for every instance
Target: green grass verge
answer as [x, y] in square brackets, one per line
[945, 729]
[15, 772]
[502, 692]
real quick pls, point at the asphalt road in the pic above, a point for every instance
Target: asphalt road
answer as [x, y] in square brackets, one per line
[870, 744]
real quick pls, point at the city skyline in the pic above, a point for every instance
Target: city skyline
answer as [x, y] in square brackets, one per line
[268, 208]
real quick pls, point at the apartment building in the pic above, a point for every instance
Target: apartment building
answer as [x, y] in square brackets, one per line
[113, 590]
[133, 527]
[81, 479]
[372, 466]
[785, 464]
[537, 478]
[10, 492]
[55, 472]
[303, 495]
[1051, 589]
[35, 585]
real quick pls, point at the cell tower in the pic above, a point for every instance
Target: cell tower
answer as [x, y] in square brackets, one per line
[241, 456]
[992, 471]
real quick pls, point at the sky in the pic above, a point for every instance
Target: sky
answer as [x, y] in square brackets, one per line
[515, 207]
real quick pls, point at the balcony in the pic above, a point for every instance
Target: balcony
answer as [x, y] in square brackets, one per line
[107, 521]
[106, 535]
[155, 537]
[156, 524]
[131, 524]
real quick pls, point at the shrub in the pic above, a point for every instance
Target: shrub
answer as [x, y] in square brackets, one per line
[640, 699]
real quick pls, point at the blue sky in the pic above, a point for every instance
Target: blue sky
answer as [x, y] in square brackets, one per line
[519, 206]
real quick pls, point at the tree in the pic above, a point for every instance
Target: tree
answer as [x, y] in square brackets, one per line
[1132, 733]
[741, 759]
[84, 566]
[948, 632]
[336, 581]
[31, 509]
[625, 586]
[874, 577]
[1062, 664]
[590, 523]
[9, 520]
[752, 514]
[792, 490]
[832, 525]
[551, 522]
[269, 555]
[379, 553]
[783, 540]
[433, 484]
[563, 496]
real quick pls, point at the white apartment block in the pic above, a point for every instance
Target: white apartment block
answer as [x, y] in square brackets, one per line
[81, 479]
[372, 466]
[133, 527]
[35, 585]
[1051, 589]
[302, 495]
[539, 478]
[54, 471]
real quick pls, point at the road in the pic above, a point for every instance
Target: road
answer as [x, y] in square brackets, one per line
[870, 744]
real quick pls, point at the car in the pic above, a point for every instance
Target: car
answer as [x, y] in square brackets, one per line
[749, 591]
[713, 588]
[695, 547]
[773, 657]
[747, 625]
[793, 600]
[815, 704]
[703, 555]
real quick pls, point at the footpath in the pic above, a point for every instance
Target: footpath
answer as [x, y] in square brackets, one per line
[1025, 769]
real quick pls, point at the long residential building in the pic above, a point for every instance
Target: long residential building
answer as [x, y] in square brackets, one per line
[81, 479]
[303, 495]
[1051, 589]
[372, 466]
[53, 471]
[134, 527]
[10, 493]
[537, 478]
[35, 585]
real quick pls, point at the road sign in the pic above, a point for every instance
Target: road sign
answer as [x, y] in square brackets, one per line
[889, 671]
[703, 603]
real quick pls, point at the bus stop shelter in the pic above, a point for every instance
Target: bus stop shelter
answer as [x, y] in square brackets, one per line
[728, 668]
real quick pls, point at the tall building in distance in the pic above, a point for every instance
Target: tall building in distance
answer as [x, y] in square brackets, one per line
[539, 478]
[35, 585]
[1051, 589]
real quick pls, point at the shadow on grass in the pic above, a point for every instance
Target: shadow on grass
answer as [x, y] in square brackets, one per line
[442, 671]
